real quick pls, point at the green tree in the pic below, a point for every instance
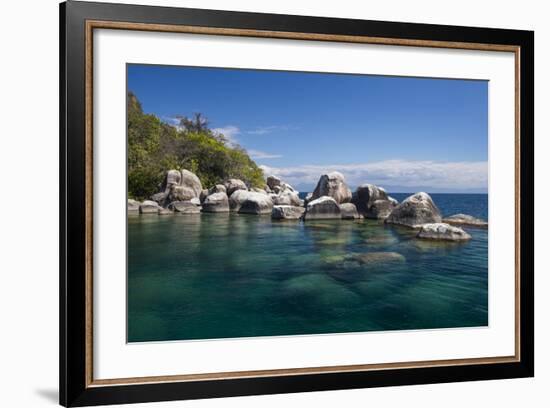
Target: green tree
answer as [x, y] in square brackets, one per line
[155, 147]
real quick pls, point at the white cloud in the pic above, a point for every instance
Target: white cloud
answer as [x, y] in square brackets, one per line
[230, 132]
[403, 173]
[257, 154]
[263, 130]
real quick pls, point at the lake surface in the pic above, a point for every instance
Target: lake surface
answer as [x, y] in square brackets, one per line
[211, 276]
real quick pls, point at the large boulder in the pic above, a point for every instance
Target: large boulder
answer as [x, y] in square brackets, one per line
[185, 207]
[181, 193]
[442, 231]
[380, 209]
[191, 181]
[172, 178]
[287, 212]
[464, 219]
[415, 211]
[217, 202]
[332, 185]
[239, 197]
[218, 188]
[273, 181]
[203, 195]
[133, 206]
[256, 203]
[372, 201]
[322, 208]
[259, 190]
[233, 185]
[287, 197]
[349, 211]
[160, 198]
[178, 186]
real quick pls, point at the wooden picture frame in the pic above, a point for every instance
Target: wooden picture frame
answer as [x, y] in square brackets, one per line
[77, 384]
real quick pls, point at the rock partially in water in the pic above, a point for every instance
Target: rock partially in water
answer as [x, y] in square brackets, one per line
[149, 207]
[333, 185]
[233, 185]
[239, 197]
[380, 209]
[365, 195]
[322, 208]
[256, 203]
[349, 211]
[464, 219]
[159, 198]
[442, 231]
[217, 202]
[165, 211]
[415, 211]
[185, 207]
[287, 212]
[133, 206]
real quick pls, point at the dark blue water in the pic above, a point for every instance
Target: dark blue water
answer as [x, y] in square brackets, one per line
[228, 275]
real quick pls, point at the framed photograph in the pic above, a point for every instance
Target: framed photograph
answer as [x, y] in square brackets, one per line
[256, 204]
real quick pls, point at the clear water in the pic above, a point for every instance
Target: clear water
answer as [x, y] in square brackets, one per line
[228, 275]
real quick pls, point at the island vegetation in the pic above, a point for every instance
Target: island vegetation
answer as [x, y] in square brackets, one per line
[154, 146]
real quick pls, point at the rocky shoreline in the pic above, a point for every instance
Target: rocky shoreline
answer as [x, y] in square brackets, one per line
[182, 192]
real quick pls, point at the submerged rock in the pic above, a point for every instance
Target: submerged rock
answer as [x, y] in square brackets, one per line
[464, 219]
[442, 231]
[185, 207]
[322, 208]
[415, 211]
[349, 211]
[332, 185]
[287, 212]
[376, 258]
[217, 202]
[233, 185]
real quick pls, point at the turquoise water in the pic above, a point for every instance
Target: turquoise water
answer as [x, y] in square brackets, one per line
[228, 275]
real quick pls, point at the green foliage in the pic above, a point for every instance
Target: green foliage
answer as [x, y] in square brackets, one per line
[155, 147]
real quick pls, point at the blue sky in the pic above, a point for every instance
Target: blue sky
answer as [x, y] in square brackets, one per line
[403, 133]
